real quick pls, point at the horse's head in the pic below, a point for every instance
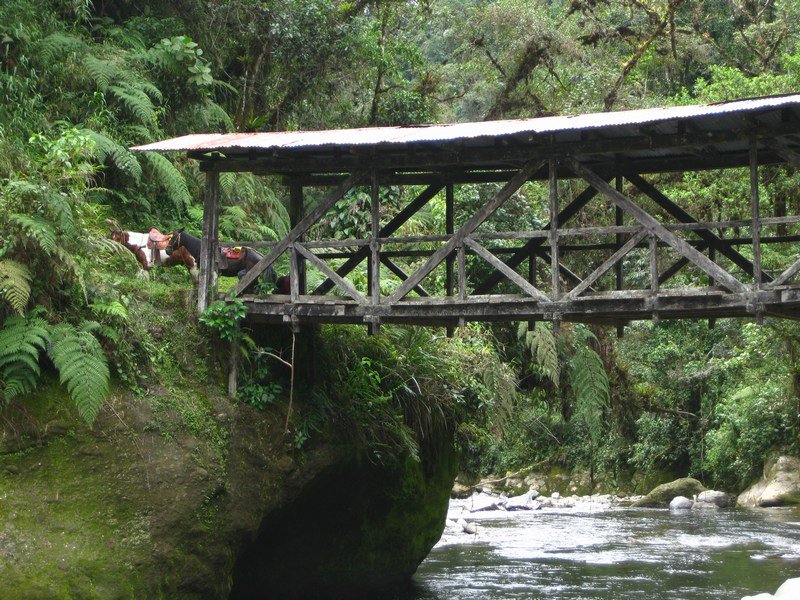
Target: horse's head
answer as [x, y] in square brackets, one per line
[121, 237]
[174, 241]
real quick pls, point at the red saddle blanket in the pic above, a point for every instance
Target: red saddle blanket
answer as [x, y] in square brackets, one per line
[156, 239]
[232, 253]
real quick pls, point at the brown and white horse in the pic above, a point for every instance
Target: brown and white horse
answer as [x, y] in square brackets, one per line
[150, 250]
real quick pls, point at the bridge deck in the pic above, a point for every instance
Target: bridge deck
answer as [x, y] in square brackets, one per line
[612, 307]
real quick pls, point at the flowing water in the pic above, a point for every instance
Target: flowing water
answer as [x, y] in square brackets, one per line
[591, 553]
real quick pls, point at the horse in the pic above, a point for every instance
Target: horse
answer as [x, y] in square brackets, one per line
[234, 261]
[155, 254]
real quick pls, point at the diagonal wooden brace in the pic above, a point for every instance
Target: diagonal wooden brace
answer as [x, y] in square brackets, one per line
[653, 226]
[713, 240]
[400, 218]
[523, 253]
[304, 225]
[785, 276]
[606, 266]
[498, 264]
[394, 268]
[471, 225]
[346, 286]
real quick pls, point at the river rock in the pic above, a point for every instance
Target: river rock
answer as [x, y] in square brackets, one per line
[680, 503]
[779, 486]
[661, 496]
[712, 499]
[484, 502]
[523, 502]
[790, 590]
[467, 527]
[534, 493]
[460, 490]
[763, 596]
[555, 495]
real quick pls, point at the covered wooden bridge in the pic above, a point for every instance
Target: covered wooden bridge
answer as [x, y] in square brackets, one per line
[609, 251]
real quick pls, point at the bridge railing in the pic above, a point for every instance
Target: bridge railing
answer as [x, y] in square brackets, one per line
[577, 278]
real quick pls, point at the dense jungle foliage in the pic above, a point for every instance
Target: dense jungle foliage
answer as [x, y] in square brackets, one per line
[83, 80]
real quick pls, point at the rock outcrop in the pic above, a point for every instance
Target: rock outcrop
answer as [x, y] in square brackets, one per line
[779, 485]
[661, 496]
[200, 498]
[789, 590]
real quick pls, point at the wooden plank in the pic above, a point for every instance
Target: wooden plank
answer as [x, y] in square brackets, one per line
[393, 225]
[395, 268]
[755, 228]
[676, 211]
[554, 259]
[521, 254]
[498, 264]
[345, 285]
[619, 218]
[457, 239]
[653, 264]
[656, 228]
[449, 229]
[607, 264]
[297, 232]
[207, 278]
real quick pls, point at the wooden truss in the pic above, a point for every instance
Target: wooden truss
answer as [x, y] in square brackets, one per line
[552, 287]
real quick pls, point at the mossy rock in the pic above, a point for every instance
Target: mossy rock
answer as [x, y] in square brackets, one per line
[661, 496]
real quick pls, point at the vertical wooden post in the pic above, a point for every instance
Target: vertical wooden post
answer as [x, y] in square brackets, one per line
[654, 272]
[449, 228]
[296, 214]
[374, 275]
[755, 227]
[712, 254]
[554, 258]
[233, 365]
[619, 221]
[532, 279]
[207, 280]
[462, 273]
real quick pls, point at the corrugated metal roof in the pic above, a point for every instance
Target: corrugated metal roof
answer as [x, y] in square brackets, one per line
[378, 136]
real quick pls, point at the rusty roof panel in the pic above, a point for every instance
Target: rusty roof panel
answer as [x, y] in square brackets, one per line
[713, 116]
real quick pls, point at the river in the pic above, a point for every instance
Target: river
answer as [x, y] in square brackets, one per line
[588, 553]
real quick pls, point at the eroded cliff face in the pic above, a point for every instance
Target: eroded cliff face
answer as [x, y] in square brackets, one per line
[193, 498]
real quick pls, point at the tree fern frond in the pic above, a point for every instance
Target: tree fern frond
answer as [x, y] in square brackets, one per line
[135, 101]
[21, 340]
[151, 90]
[82, 367]
[170, 179]
[57, 46]
[107, 149]
[15, 284]
[113, 309]
[590, 384]
[543, 347]
[38, 230]
[102, 72]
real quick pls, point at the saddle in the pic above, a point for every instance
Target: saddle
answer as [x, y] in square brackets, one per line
[232, 253]
[157, 240]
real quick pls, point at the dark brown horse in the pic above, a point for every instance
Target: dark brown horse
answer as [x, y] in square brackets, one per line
[233, 262]
[137, 244]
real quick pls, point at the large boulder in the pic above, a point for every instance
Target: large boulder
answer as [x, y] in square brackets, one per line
[779, 486]
[680, 503]
[789, 590]
[196, 497]
[712, 499]
[661, 496]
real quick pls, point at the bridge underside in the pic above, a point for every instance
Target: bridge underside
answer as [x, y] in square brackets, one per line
[612, 247]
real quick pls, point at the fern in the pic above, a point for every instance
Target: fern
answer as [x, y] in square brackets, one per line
[113, 309]
[81, 365]
[170, 179]
[542, 344]
[590, 385]
[135, 101]
[102, 72]
[106, 149]
[55, 47]
[21, 340]
[15, 284]
[38, 230]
